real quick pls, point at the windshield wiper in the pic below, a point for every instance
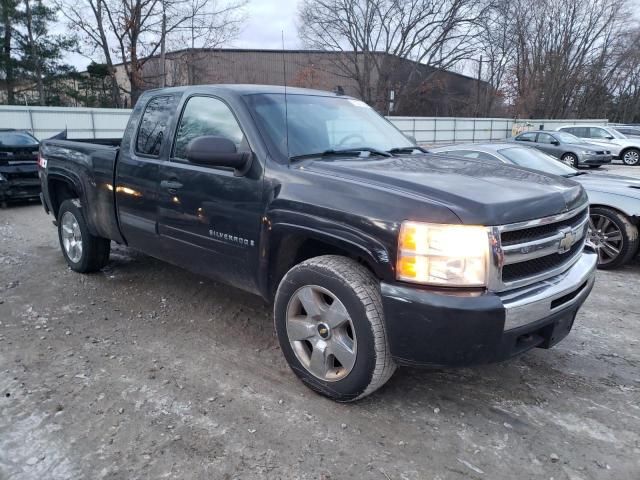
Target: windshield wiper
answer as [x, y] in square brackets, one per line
[407, 150]
[575, 174]
[344, 151]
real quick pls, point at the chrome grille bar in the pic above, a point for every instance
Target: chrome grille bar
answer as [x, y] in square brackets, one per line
[547, 245]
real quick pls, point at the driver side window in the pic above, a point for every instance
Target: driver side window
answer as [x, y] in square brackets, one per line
[207, 116]
[598, 133]
[545, 138]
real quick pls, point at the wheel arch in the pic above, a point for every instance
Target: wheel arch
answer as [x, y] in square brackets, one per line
[290, 245]
[61, 188]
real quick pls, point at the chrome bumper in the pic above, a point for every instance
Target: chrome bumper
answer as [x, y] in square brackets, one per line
[538, 301]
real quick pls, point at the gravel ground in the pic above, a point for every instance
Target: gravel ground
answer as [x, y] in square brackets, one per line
[147, 371]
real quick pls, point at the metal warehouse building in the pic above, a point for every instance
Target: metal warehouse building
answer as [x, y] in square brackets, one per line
[426, 91]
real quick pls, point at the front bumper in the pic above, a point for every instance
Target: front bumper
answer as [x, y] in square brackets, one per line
[19, 182]
[595, 159]
[443, 329]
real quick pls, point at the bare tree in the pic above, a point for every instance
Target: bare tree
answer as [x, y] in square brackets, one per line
[374, 35]
[134, 31]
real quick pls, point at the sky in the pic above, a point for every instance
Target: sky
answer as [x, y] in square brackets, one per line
[266, 21]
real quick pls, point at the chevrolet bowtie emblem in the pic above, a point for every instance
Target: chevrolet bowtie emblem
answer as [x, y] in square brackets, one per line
[567, 241]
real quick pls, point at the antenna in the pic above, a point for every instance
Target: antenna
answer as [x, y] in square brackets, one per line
[286, 108]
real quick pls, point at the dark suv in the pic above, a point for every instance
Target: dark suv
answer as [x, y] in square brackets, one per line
[18, 166]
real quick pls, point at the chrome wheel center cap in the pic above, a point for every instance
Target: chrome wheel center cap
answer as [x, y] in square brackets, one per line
[324, 331]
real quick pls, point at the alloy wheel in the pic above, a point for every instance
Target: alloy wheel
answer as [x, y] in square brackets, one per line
[632, 157]
[606, 237]
[71, 237]
[321, 333]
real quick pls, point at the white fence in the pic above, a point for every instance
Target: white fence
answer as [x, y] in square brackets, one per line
[45, 122]
[434, 130]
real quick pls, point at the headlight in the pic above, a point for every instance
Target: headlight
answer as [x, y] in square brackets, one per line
[587, 152]
[2, 179]
[444, 255]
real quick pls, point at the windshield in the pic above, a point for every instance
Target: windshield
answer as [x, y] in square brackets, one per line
[318, 124]
[17, 139]
[536, 160]
[616, 134]
[566, 137]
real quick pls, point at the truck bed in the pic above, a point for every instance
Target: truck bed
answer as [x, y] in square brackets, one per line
[92, 168]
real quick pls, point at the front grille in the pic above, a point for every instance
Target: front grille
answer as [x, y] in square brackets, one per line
[531, 268]
[541, 248]
[535, 233]
[20, 175]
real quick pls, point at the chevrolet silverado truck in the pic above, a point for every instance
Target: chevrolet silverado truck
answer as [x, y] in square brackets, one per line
[373, 252]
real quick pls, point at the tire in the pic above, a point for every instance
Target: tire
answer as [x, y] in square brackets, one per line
[330, 285]
[610, 229]
[631, 157]
[83, 251]
[593, 167]
[570, 159]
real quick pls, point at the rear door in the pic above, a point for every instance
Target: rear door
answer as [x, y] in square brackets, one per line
[209, 218]
[136, 185]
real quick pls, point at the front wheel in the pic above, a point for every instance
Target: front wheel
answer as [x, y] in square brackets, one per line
[570, 159]
[83, 252]
[330, 324]
[613, 236]
[631, 157]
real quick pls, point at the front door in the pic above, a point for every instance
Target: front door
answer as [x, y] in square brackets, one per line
[209, 217]
[545, 144]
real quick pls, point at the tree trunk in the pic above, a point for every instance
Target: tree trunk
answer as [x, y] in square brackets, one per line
[6, 53]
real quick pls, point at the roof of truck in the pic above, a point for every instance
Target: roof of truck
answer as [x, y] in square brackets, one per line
[250, 89]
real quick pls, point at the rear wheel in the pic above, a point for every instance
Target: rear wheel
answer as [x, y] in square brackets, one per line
[330, 324]
[570, 159]
[614, 237]
[631, 157]
[83, 252]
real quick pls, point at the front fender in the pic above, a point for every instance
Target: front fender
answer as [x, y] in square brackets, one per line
[628, 205]
[375, 249]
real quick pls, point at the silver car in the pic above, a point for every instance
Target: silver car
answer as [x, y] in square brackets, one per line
[568, 148]
[615, 200]
[622, 148]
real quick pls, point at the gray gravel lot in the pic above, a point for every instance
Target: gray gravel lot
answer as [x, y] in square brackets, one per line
[147, 371]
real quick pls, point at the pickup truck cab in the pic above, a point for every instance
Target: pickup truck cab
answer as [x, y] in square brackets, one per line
[373, 252]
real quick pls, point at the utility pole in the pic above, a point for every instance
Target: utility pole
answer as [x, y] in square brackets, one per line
[478, 87]
[163, 49]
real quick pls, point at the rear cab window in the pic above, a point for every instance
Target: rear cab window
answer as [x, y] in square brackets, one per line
[153, 125]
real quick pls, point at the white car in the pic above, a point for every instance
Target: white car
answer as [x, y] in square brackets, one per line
[622, 147]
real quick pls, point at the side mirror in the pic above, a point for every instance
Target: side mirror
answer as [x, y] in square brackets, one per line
[555, 142]
[217, 151]
[609, 137]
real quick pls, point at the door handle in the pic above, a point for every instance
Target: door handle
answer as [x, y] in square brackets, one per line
[170, 185]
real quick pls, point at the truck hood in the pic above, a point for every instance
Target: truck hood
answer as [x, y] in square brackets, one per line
[479, 193]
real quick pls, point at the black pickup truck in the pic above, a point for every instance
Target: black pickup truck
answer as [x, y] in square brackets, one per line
[373, 252]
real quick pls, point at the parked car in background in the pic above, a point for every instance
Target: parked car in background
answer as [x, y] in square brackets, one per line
[628, 131]
[622, 148]
[18, 166]
[567, 147]
[615, 200]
